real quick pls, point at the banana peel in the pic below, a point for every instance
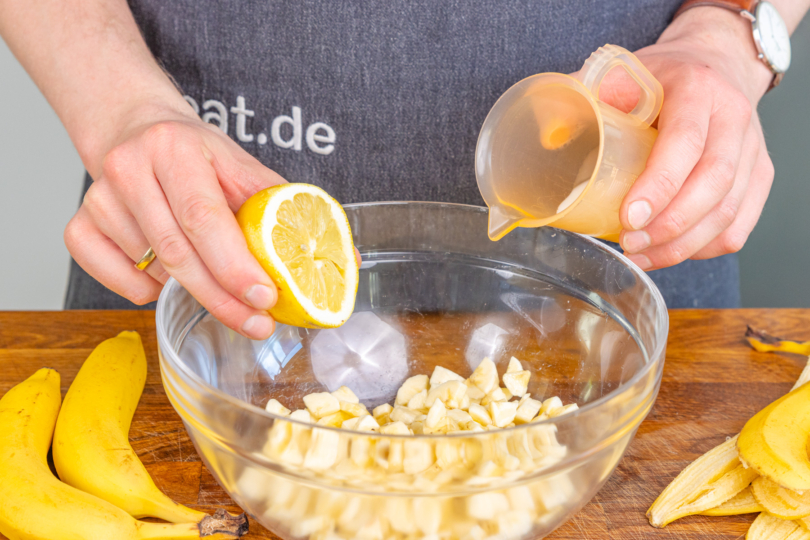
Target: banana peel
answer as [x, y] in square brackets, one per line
[780, 502]
[774, 441]
[709, 481]
[764, 342]
[742, 503]
[768, 527]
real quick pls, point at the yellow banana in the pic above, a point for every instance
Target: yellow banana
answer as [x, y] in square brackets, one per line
[91, 447]
[34, 505]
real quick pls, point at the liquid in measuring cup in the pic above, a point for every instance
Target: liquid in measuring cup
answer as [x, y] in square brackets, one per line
[547, 147]
[551, 153]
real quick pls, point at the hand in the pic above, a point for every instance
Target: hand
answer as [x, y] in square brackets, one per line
[174, 183]
[709, 173]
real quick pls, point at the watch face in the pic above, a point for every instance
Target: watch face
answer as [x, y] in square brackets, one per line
[773, 36]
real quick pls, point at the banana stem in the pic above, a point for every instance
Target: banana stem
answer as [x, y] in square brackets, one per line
[220, 526]
[166, 509]
[763, 342]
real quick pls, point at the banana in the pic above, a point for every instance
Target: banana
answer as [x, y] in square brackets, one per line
[35, 505]
[91, 447]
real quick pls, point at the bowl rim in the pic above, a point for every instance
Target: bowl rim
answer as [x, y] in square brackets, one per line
[656, 357]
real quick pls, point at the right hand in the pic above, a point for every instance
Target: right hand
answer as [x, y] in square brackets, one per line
[174, 184]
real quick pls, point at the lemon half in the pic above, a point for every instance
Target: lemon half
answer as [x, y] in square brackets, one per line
[301, 237]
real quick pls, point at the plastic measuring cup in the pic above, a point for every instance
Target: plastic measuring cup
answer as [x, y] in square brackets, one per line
[551, 153]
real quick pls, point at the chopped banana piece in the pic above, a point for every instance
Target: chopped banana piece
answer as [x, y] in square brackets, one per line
[496, 395]
[517, 382]
[442, 375]
[563, 410]
[395, 428]
[514, 365]
[527, 409]
[410, 388]
[302, 415]
[448, 453]
[279, 438]
[429, 515]
[403, 414]
[502, 412]
[472, 425]
[436, 414]
[417, 402]
[323, 450]
[550, 404]
[473, 392]
[399, 513]
[354, 409]
[475, 533]
[507, 393]
[486, 506]
[382, 412]
[361, 423]
[450, 392]
[480, 415]
[335, 420]
[514, 524]
[451, 425]
[418, 456]
[525, 397]
[321, 404]
[465, 403]
[460, 416]
[344, 393]
[485, 376]
[274, 407]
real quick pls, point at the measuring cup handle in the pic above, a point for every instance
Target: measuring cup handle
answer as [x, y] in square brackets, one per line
[610, 56]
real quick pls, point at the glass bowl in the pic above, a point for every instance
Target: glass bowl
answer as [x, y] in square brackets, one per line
[434, 291]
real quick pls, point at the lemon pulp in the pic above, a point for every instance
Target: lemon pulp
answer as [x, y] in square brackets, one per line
[308, 242]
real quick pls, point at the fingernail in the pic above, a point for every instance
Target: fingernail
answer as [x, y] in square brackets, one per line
[260, 296]
[641, 261]
[258, 327]
[635, 241]
[638, 214]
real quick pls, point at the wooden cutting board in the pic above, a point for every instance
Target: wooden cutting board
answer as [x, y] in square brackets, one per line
[713, 382]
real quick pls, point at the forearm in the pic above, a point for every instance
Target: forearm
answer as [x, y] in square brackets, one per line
[91, 63]
[729, 34]
[792, 11]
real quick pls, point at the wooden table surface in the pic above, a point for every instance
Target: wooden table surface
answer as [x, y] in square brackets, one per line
[713, 382]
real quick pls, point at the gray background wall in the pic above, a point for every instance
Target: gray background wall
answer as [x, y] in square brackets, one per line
[40, 179]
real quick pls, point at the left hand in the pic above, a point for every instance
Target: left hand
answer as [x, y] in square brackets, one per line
[709, 173]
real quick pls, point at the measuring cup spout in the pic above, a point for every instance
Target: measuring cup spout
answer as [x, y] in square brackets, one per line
[500, 222]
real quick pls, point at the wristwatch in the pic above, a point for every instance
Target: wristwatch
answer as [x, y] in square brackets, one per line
[770, 33]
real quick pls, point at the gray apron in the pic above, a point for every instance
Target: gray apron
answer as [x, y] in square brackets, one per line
[383, 100]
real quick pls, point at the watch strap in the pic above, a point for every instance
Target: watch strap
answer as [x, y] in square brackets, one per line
[734, 5]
